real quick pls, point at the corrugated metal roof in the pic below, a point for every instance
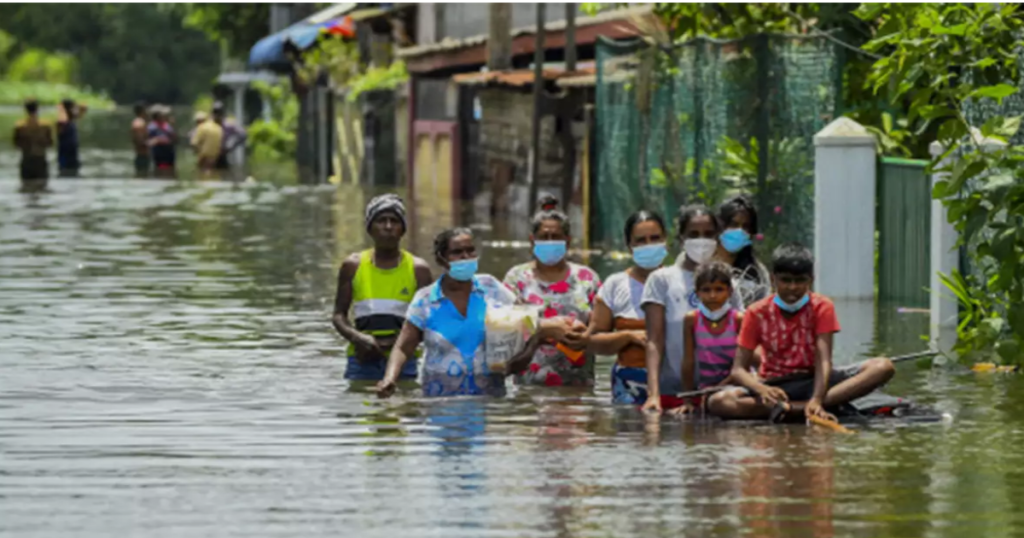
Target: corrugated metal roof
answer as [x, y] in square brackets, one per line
[449, 44]
[517, 78]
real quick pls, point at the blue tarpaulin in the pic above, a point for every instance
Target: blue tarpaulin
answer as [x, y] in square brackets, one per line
[269, 51]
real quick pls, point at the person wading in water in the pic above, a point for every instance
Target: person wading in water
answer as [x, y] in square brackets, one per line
[139, 140]
[33, 136]
[377, 285]
[67, 137]
[161, 139]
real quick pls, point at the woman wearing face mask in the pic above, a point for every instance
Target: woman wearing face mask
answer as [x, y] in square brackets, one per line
[668, 296]
[617, 323]
[560, 289]
[739, 219]
[448, 317]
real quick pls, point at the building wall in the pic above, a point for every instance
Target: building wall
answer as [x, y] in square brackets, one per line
[459, 21]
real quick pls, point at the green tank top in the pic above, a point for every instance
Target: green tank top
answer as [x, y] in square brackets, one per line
[380, 297]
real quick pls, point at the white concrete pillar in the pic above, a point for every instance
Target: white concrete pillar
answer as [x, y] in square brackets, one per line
[845, 165]
[239, 152]
[945, 256]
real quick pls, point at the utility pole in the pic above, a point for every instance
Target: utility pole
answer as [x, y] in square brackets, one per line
[499, 37]
[570, 37]
[538, 97]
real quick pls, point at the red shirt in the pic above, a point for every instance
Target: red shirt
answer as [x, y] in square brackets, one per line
[788, 342]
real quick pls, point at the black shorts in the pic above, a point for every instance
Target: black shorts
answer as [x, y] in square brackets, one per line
[34, 168]
[801, 389]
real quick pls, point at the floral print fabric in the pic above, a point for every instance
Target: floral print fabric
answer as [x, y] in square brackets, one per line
[572, 297]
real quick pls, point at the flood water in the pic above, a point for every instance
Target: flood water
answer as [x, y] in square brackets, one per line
[167, 368]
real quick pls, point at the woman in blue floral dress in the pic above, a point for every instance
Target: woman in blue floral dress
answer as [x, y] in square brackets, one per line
[448, 318]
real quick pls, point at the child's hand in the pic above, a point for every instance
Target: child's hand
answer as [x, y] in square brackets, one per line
[652, 405]
[684, 409]
[771, 395]
[814, 408]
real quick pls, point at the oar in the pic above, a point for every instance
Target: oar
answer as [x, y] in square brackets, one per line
[777, 380]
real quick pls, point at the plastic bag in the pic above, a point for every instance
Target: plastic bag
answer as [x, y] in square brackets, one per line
[508, 329]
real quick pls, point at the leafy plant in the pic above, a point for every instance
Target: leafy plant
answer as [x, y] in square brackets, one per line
[943, 57]
[275, 140]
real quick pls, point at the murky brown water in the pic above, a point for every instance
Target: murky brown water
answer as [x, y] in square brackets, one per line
[167, 368]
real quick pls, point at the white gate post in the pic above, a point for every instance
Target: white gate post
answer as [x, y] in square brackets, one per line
[943, 308]
[845, 166]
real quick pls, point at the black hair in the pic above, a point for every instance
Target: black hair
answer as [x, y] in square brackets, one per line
[729, 209]
[711, 272]
[31, 106]
[441, 242]
[541, 216]
[140, 107]
[794, 259]
[689, 212]
[641, 216]
[68, 104]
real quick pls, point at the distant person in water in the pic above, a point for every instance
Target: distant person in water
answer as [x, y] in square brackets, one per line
[233, 136]
[67, 137]
[377, 285]
[160, 137]
[139, 140]
[206, 140]
[33, 136]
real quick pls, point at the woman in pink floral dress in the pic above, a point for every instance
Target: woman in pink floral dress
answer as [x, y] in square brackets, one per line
[559, 288]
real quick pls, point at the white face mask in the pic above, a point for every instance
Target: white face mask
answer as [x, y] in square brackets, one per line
[700, 250]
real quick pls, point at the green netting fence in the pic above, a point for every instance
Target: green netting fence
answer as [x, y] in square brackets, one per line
[703, 120]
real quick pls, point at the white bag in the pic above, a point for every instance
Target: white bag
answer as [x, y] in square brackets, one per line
[508, 329]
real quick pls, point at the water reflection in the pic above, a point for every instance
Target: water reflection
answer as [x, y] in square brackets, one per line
[169, 369]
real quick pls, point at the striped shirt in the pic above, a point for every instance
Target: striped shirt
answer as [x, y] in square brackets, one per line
[714, 352]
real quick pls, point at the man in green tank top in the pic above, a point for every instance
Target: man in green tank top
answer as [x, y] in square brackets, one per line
[375, 288]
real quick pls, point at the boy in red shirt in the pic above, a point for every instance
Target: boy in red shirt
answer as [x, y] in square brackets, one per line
[795, 327]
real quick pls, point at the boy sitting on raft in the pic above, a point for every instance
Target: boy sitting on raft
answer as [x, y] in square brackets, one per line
[795, 327]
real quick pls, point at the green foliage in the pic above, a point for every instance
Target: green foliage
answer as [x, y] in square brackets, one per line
[240, 25]
[128, 51]
[941, 57]
[15, 94]
[378, 78]
[274, 140]
[36, 65]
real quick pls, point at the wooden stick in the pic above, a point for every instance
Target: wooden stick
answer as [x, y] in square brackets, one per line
[830, 424]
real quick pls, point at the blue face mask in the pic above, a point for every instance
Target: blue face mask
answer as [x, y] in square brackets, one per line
[463, 270]
[714, 315]
[650, 256]
[792, 307]
[734, 240]
[549, 252]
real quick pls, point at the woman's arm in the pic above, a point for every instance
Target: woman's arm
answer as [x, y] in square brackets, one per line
[655, 321]
[602, 340]
[408, 339]
[689, 358]
[547, 329]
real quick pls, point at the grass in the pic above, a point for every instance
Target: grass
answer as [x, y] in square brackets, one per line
[15, 94]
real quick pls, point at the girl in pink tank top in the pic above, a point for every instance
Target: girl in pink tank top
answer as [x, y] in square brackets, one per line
[710, 332]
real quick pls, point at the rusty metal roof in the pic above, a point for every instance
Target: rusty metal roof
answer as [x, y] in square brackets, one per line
[449, 44]
[519, 78]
